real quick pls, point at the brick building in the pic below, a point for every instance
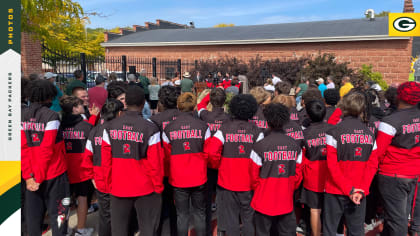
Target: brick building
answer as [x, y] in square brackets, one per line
[357, 41]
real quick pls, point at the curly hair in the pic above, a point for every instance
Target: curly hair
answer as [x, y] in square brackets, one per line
[331, 96]
[217, 97]
[186, 102]
[116, 88]
[276, 115]
[111, 108]
[283, 87]
[316, 110]
[243, 106]
[68, 102]
[41, 91]
[391, 96]
[311, 94]
[168, 96]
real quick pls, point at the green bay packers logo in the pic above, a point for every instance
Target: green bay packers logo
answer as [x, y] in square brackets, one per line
[404, 24]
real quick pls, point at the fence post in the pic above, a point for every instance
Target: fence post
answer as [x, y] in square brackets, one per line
[195, 64]
[83, 66]
[178, 64]
[154, 66]
[124, 67]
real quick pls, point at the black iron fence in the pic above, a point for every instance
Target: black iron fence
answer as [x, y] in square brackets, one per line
[64, 64]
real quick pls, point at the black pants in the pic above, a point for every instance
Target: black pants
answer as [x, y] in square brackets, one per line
[52, 196]
[168, 209]
[336, 206]
[373, 201]
[212, 175]
[285, 224]
[197, 197]
[415, 223]
[396, 193]
[104, 214]
[232, 206]
[148, 214]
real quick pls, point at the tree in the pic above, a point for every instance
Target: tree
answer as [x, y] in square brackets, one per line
[221, 25]
[61, 26]
[36, 14]
[381, 14]
[367, 74]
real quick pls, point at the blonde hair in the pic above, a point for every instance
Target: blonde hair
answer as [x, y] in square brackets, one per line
[285, 100]
[354, 104]
[153, 81]
[260, 94]
[270, 81]
[186, 102]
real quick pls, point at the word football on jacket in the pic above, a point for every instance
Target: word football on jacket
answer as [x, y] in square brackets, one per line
[352, 158]
[229, 150]
[131, 147]
[42, 148]
[183, 141]
[275, 173]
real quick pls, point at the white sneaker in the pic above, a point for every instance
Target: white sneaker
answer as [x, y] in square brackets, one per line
[84, 232]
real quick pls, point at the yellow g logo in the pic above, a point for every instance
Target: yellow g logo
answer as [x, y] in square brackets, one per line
[404, 24]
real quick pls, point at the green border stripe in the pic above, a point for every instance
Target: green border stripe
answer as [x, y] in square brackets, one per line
[9, 202]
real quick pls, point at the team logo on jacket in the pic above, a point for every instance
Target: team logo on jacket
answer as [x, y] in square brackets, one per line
[69, 146]
[126, 148]
[186, 146]
[35, 138]
[358, 152]
[282, 170]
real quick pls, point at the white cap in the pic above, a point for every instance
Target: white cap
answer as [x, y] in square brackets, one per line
[320, 80]
[49, 75]
[178, 82]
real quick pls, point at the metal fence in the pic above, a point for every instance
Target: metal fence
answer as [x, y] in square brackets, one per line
[64, 64]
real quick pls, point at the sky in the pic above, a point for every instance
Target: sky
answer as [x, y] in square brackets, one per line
[206, 13]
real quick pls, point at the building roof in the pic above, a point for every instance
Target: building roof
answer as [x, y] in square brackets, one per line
[315, 31]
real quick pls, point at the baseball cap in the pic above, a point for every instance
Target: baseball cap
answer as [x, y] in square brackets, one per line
[320, 80]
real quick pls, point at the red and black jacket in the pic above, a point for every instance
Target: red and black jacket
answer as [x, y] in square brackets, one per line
[93, 159]
[275, 173]
[293, 130]
[329, 111]
[258, 119]
[229, 151]
[214, 118]
[351, 157]
[315, 157]
[183, 141]
[294, 115]
[399, 144]
[75, 132]
[133, 154]
[164, 118]
[42, 148]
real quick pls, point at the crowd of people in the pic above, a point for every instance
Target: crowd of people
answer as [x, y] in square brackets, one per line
[316, 159]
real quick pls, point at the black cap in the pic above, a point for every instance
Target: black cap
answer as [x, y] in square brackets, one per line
[99, 79]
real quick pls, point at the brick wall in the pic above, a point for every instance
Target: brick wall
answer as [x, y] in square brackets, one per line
[392, 58]
[31, 55]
